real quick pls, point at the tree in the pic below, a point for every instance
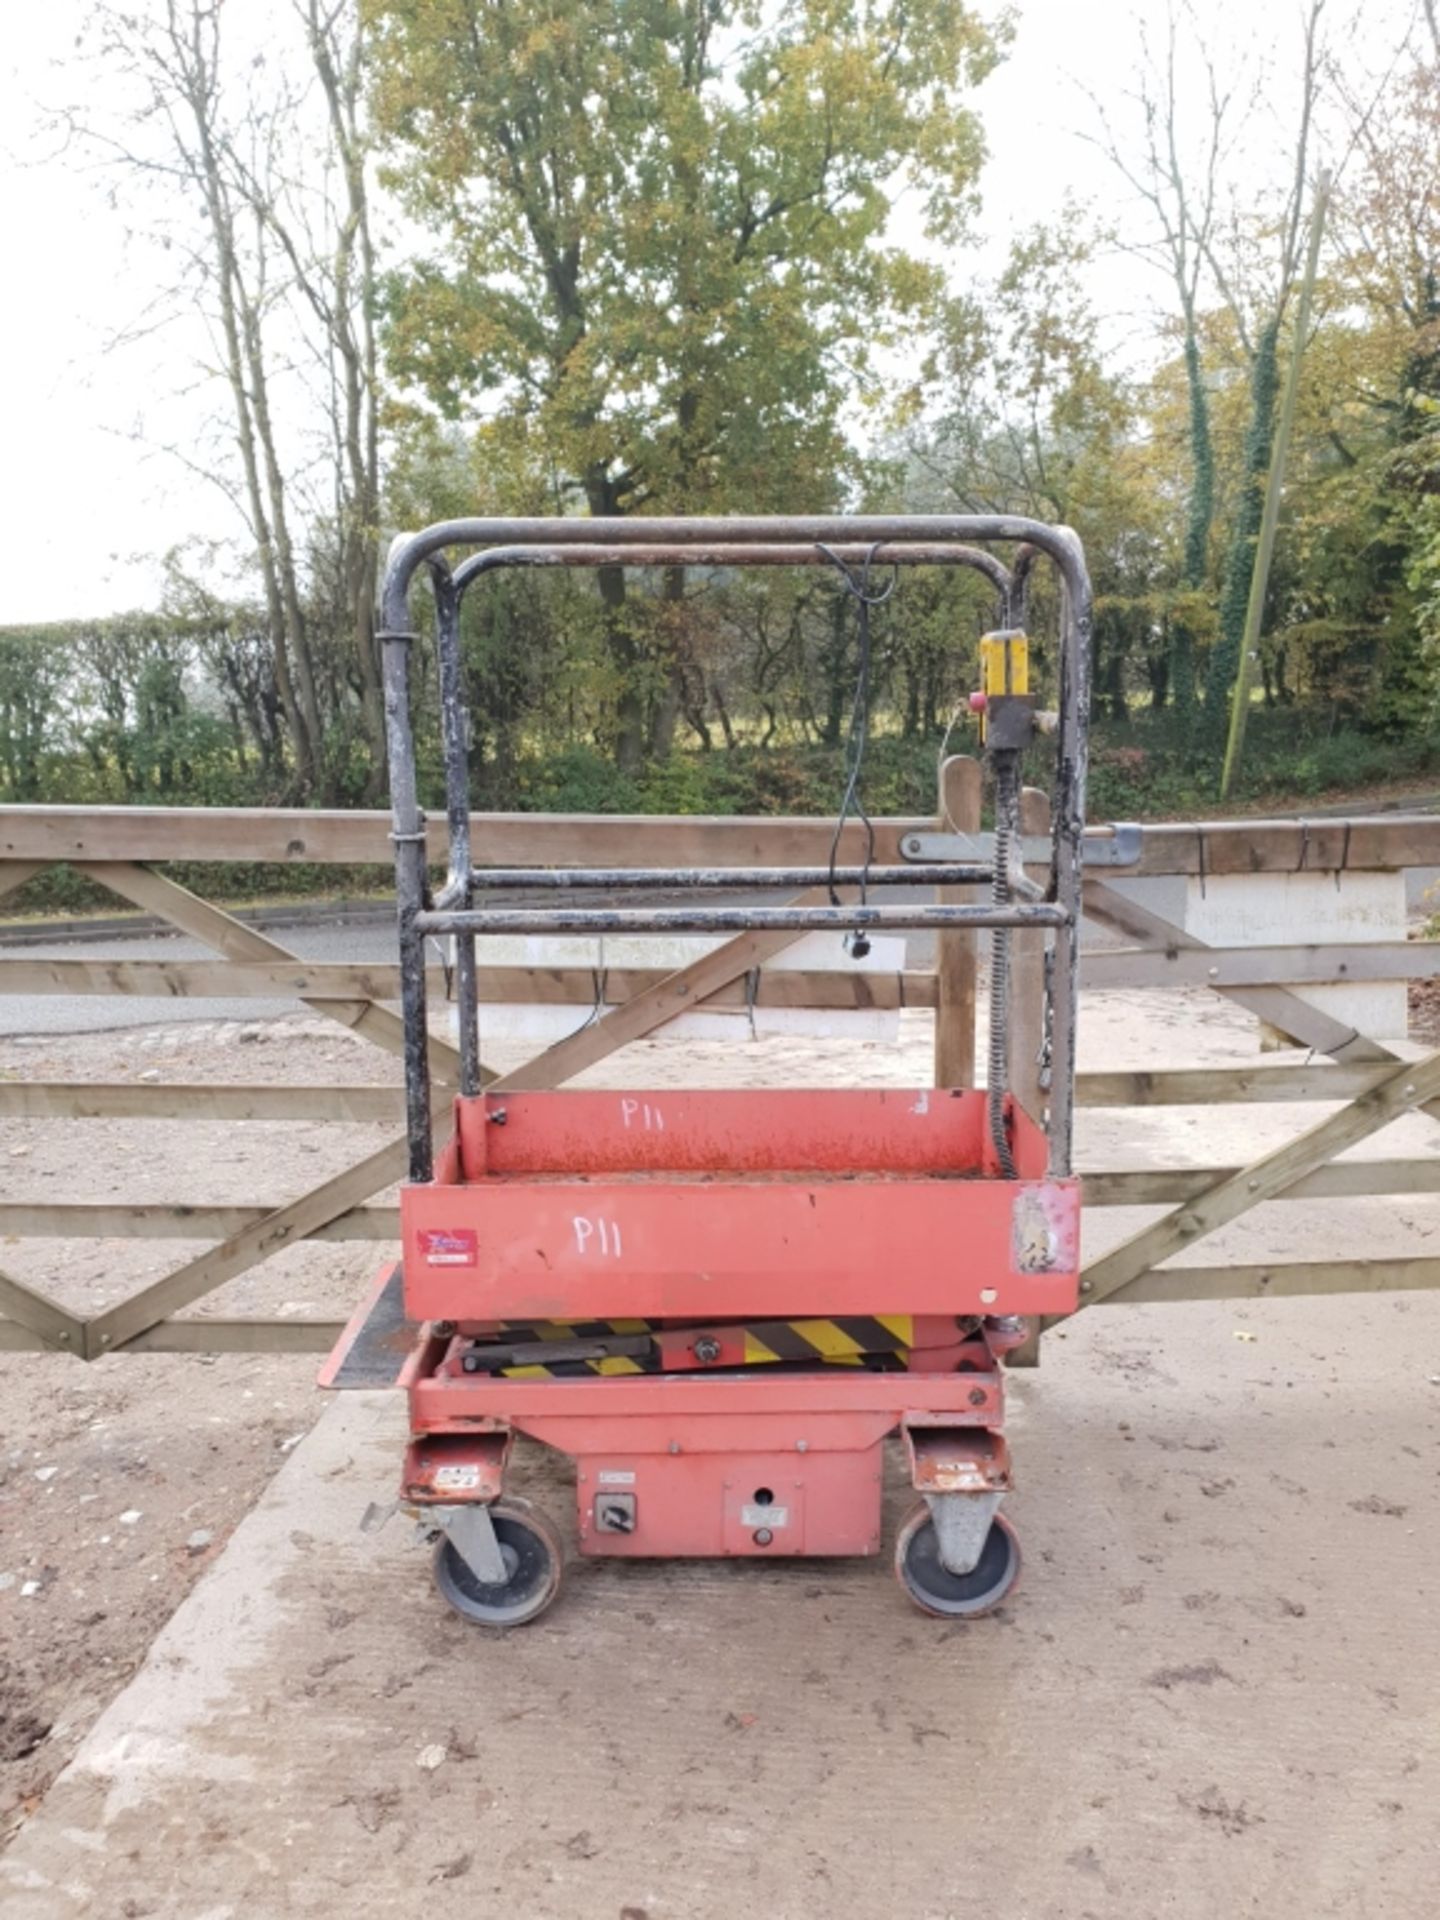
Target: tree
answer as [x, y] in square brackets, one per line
[660, 261]
[1247, 255]
[32, 689]
[325, 234]
[1363, 570]
[283, 265]
[1036, 423]
[1259, 323]
[180, 130]
[1391, 218]
[1179, 187]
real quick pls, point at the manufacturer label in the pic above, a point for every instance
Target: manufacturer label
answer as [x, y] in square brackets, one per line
[615, 1477]
[456, 1479]
[764, 1516]
[449, 1246]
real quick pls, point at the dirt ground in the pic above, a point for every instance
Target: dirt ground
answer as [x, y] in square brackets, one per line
[121, 1481]
[1220, 1659]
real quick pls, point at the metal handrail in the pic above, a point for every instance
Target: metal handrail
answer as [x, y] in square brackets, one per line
[736, 879]
[843, 919]
[782, 540]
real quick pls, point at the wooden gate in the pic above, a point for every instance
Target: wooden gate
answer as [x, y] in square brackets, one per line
[122, 849]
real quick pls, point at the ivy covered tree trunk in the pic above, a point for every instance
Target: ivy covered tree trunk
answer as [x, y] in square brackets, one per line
[837, 671]
[1158, 660]
[1240, 555]
[1197, 528]
[1112, 681]
[602, 500]
[620, 641]
[669, 666]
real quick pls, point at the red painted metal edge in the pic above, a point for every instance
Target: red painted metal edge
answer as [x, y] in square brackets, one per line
[962, 1398]
[662, 1247]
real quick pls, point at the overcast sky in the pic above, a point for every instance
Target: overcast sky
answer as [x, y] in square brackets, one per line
[88, 500]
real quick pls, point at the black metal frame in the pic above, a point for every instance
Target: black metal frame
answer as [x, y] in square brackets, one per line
[910, 540]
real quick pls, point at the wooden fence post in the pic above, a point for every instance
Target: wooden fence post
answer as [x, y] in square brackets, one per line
[956, 953]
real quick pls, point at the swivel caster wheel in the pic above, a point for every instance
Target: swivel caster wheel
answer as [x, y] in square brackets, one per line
[531, 1551]
[955, 1596]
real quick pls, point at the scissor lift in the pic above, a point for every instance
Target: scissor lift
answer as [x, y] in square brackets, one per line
[720, 1304]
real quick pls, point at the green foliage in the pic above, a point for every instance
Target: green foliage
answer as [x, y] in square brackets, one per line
[577, 780]
[61, 891]
[117, 710]
[652, 212]
[652, 267]
[661, 262]
[1415, 477]
[32, 678]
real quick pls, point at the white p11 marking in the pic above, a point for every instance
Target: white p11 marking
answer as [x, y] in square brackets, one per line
[647, 1118]
[602, 1235]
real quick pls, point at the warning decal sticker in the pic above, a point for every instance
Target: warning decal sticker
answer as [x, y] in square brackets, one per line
[448, 1246]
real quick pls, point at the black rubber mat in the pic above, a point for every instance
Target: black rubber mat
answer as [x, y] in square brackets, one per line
[382, 1342]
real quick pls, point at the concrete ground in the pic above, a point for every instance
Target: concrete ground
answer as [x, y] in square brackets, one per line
[1217, 1690]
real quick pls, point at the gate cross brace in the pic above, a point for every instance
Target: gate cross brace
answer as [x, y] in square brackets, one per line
[233, 940]
[668, 998]
[1112, 1272]
[1282, 1009]
[1412, 1084]
[54, 1324]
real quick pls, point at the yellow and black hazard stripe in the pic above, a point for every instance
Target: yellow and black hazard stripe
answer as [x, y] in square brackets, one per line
[851, 1340]
[848, 1340]
[537, 1331]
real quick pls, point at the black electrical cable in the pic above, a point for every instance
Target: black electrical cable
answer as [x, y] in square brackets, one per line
[859, 735]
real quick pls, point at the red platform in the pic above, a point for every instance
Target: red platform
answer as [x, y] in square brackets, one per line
[729, 1205]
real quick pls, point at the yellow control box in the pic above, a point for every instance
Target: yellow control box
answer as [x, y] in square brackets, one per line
[1004, 668]
[1004, 663]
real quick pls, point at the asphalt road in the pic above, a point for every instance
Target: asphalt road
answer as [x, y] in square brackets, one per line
[354, 939]
[57, 1013]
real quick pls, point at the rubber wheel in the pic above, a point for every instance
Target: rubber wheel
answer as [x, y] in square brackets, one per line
[532, 1556]
[955, 1596]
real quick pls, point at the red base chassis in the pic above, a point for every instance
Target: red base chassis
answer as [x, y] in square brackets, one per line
[700, 1223]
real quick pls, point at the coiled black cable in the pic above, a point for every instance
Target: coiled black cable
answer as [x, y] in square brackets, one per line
[859, 735]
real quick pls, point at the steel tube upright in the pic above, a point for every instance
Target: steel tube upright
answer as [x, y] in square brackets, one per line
[407, 830]
[454, 733]
[1068, 802]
